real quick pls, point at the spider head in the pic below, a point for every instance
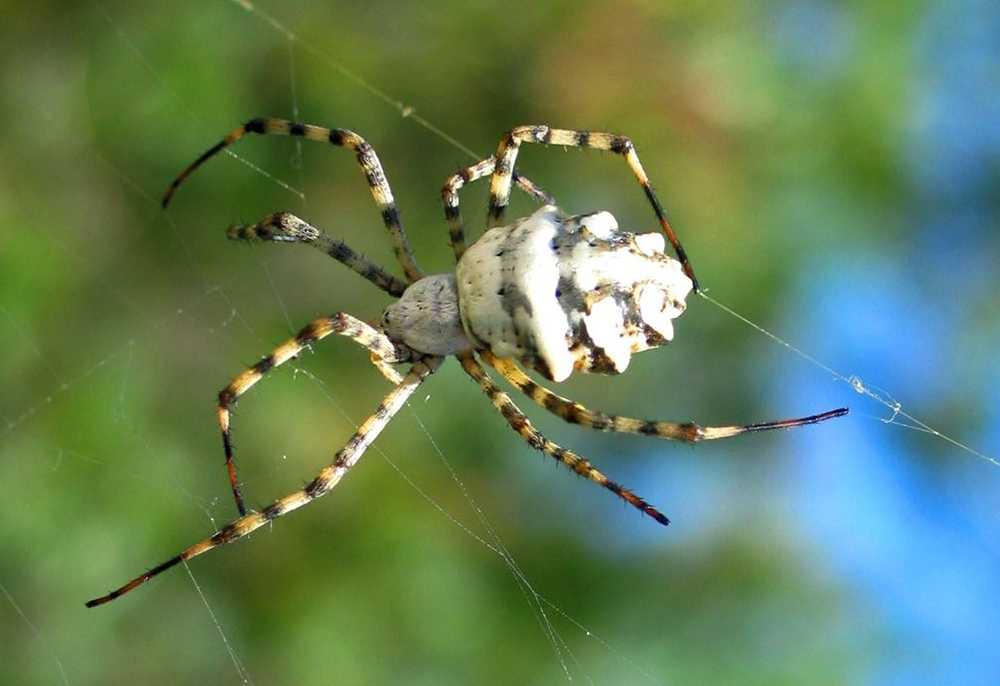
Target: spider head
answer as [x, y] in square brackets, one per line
[426, 317]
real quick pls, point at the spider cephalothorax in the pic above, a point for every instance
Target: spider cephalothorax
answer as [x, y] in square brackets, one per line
[558, 293]
[426, 317]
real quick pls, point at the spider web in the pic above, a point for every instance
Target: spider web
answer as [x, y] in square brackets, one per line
[221, 303]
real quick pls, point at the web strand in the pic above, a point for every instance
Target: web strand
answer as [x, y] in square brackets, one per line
[495, 545]
[405, 111]
[189, 112]
[237, 663]
[857, 385]
[498, 547]
[36, 633]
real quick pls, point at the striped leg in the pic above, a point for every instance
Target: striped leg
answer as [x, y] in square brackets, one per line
[324, 482]
[520, 423]
[507, 155]
[576, 413]
[454, 183]
[285, 227]
[365, 154]
[385, 368]
[345, 325]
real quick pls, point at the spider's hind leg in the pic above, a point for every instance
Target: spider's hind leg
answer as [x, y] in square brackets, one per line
[575, 413]
[520, 423]
[383, 351]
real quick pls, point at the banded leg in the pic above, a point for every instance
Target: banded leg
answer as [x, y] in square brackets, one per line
[324, 482]
[344, 324]
[385, 368]
[520, 423]
[285, 227]
[507, 156]
[575, 413]
[377, 182]
[454, 183]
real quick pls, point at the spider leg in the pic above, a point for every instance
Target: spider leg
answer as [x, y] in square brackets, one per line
[322, 484]
[507, 155]
[377, 182]
[285, 227]
[520, 423]
[385, 368]
[575, 413]
[341, 323]
[454, 183]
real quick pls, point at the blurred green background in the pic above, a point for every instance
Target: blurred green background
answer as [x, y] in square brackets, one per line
[833, 170]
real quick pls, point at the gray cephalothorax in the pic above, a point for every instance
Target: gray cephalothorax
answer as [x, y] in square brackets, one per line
[426, 319]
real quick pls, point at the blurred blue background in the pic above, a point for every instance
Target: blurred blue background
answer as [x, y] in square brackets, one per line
[832, 168]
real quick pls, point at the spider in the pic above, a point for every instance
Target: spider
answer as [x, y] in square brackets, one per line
[555, 292]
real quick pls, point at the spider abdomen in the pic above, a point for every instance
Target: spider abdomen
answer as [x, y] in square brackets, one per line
[569, 293]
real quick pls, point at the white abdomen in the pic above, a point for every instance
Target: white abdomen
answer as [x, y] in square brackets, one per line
[563, 293]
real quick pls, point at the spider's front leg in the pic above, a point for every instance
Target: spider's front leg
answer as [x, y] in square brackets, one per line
[366, 158]
[383, 352]
[285, 227]
[506, 157]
